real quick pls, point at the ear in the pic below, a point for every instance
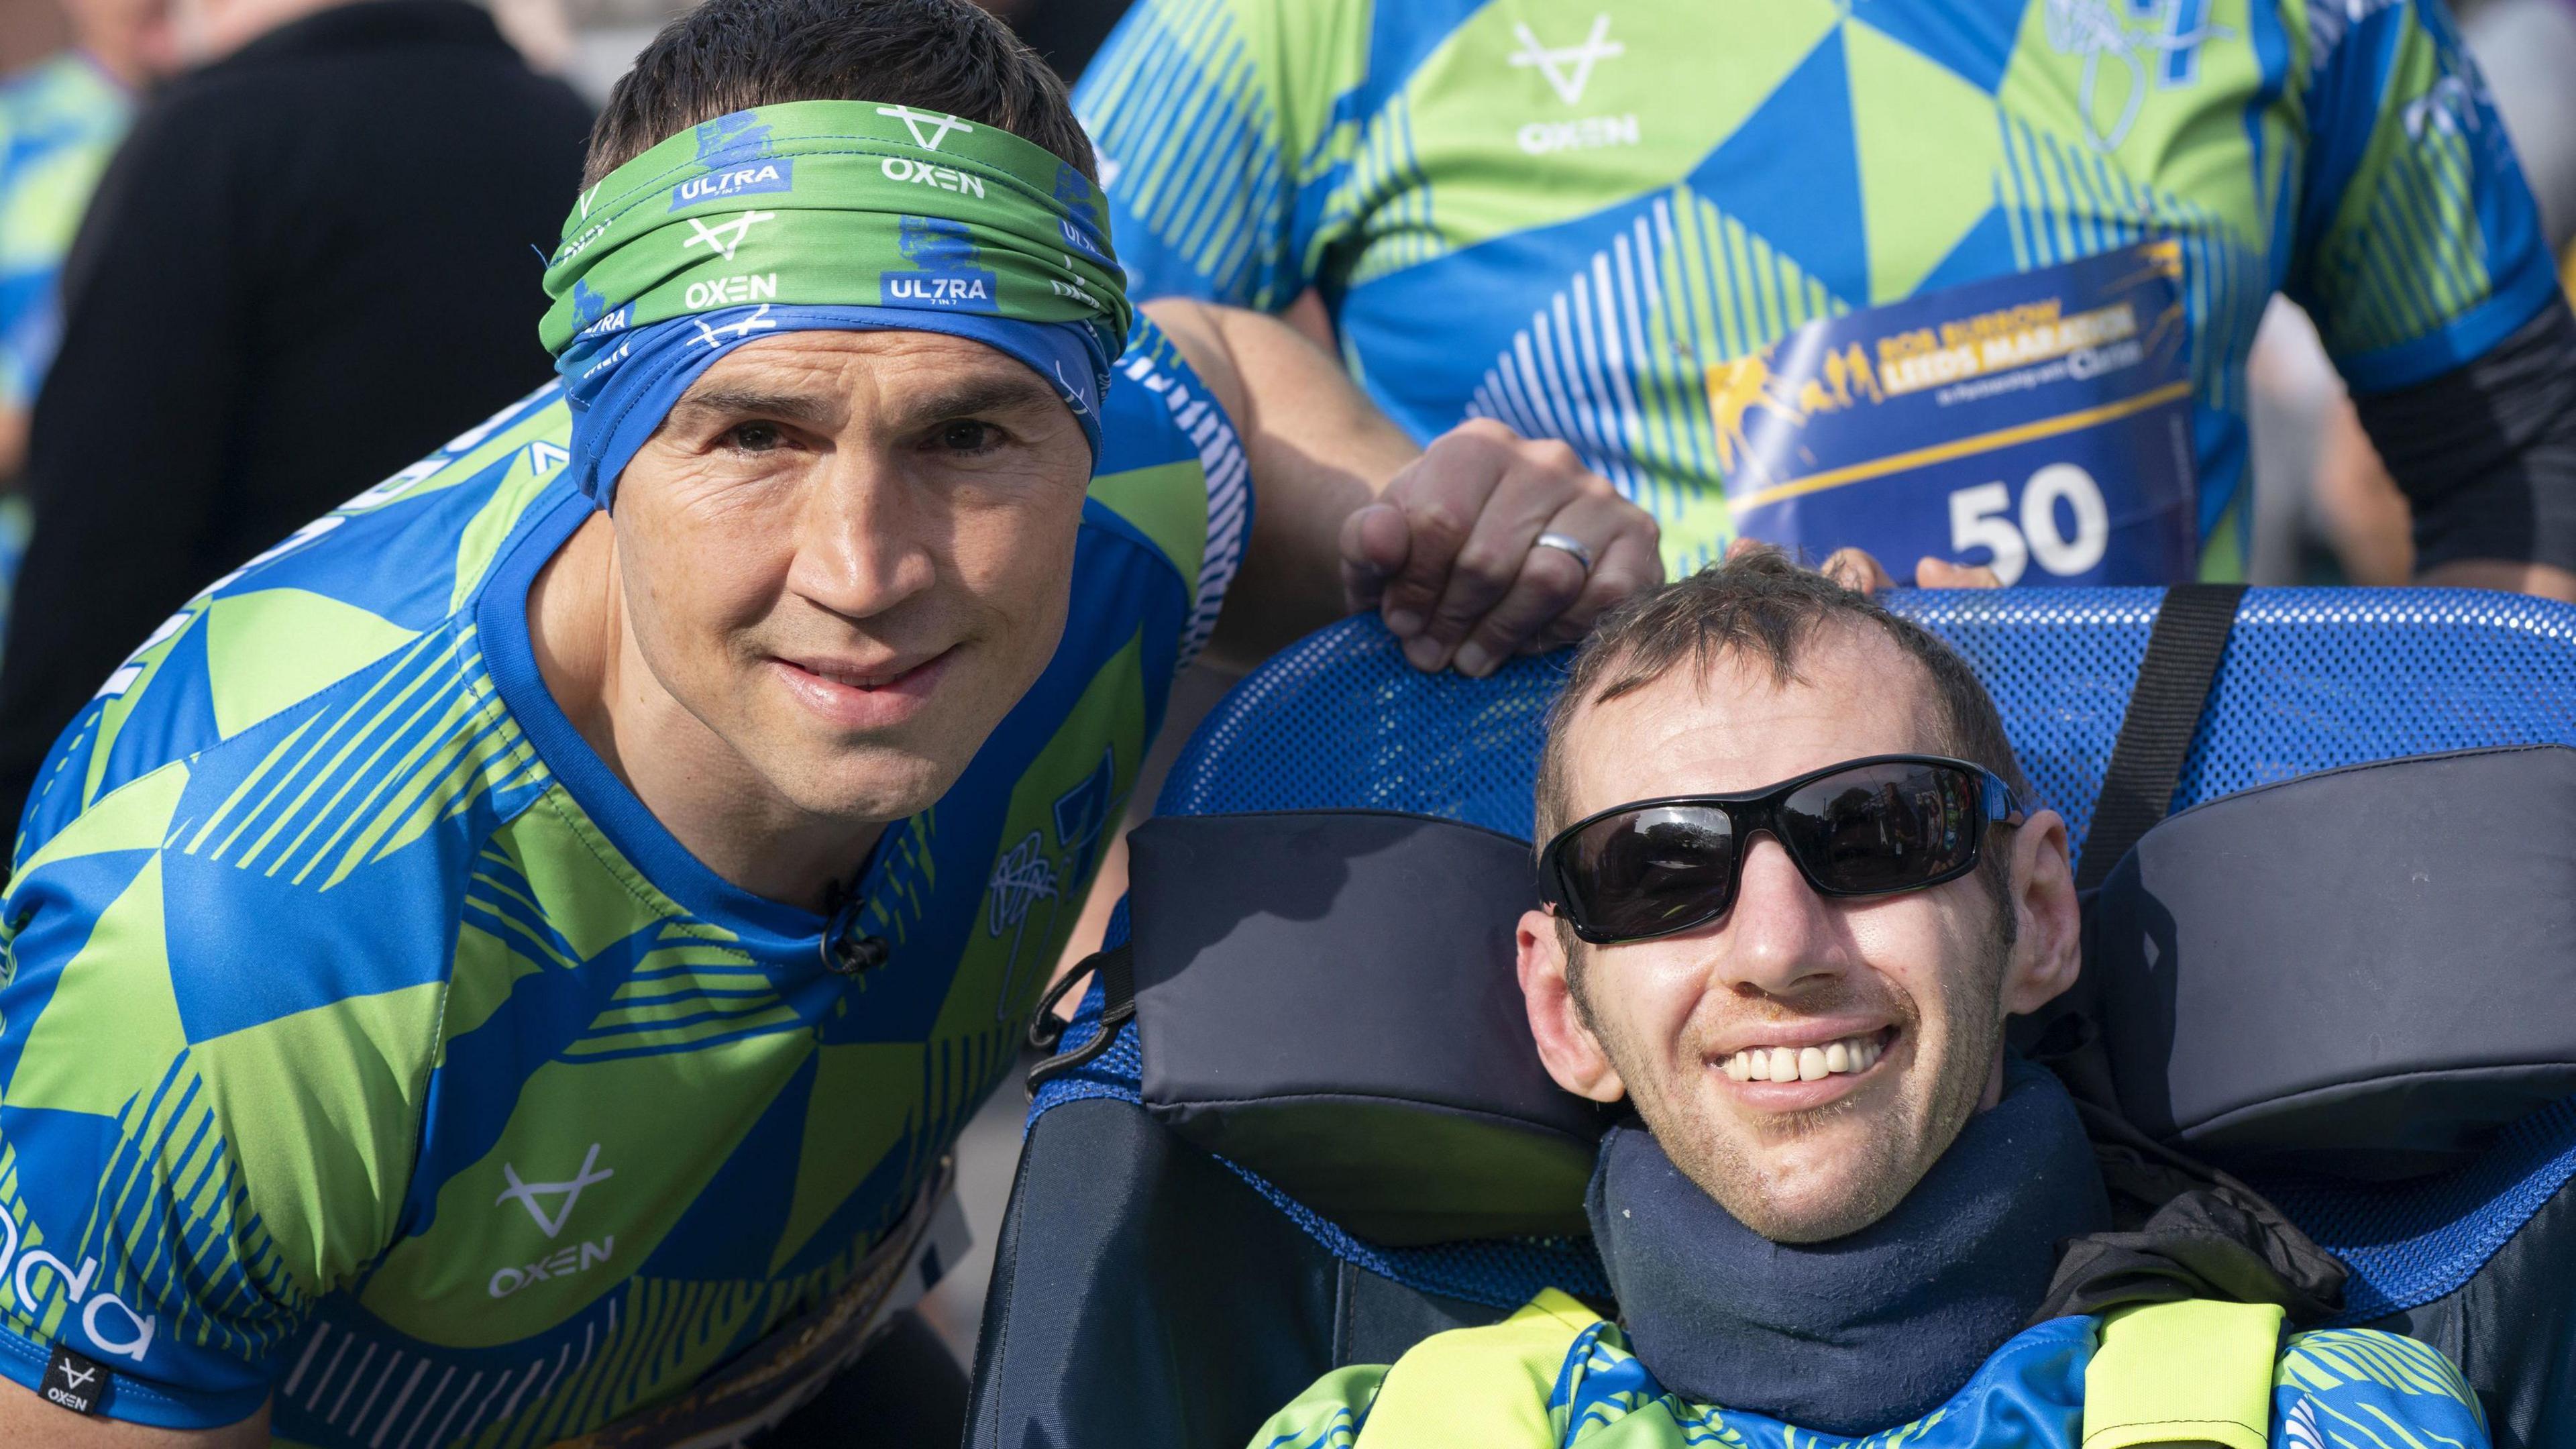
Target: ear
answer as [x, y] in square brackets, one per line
[1565, 1045]
[2048, 952]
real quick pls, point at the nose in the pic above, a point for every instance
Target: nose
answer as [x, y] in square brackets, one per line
[868, 539]
[1779, 938]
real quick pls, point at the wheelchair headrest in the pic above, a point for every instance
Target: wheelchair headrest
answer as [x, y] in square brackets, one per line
[1328, 998]
[2363, 972]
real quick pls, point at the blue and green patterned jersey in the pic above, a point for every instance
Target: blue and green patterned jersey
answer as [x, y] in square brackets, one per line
[1555, 1375]
[1613, 222]
[366, 1047]
[59, 122]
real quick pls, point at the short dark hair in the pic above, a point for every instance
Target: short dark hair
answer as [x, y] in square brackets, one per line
[730, 55]
[1761, 605]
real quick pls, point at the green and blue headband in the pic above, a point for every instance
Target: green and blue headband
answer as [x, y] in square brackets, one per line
[834, 215]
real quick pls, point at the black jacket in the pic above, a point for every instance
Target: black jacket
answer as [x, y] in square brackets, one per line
[311, 263]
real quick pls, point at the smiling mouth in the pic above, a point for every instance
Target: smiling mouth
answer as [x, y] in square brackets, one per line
[848, 677]
[1847, 1056]
[850, 696]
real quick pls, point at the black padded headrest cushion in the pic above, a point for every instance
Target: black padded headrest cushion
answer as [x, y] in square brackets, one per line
[1328, 998]
[2363, 972]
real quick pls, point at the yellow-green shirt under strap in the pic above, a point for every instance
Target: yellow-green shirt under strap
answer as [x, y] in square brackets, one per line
[1555, 1376]
[2187, 1372]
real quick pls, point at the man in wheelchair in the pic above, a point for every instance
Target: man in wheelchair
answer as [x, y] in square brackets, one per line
[1795, 885]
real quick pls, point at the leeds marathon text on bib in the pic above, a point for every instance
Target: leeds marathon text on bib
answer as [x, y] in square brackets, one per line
[2039, 424]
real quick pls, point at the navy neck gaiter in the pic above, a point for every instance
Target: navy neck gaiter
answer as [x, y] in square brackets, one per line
[1865, 1332]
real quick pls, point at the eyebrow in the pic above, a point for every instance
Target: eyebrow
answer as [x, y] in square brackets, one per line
[734, 402]
[969, 396]
[963, 398]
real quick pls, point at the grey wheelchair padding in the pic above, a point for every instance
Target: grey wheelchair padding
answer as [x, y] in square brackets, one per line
[1328, 998]
[2363, 972]
[1145, 1295]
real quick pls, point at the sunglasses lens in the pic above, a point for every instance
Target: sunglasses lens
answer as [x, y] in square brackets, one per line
[1884, 827]
[1650, 871]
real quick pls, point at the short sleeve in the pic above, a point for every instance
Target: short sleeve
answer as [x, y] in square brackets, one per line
[1219, 128]
[2360, 1386]
[2418, 245]
[183, 1171]
[1173, 469]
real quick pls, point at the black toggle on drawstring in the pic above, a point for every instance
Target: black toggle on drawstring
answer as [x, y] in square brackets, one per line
[847, 950]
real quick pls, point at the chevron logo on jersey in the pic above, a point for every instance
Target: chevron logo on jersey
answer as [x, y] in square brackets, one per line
[1568, 68]
[568, 1193]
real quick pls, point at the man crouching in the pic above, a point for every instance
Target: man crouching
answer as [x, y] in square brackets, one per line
[1794, 887]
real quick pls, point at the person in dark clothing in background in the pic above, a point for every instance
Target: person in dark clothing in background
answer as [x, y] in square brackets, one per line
[311, 259]
[1064, 33]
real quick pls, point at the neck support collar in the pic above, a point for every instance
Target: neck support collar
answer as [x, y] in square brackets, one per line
[835, 215]
[1867, 1331]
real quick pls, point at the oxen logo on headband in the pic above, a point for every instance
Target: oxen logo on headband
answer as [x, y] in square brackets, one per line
[944, 251]
[913, 120]
[725, 238]
[735, 150]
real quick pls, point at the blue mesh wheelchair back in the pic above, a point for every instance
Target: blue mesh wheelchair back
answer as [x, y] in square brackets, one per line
[1172, 1298]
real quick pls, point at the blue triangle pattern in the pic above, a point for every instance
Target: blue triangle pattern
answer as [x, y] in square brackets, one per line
[728, 1233]
[1986, 251]
[1973, 39]
[1795, 164]
[180, 722]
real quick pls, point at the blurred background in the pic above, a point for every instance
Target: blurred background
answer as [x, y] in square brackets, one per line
[2325, 511]
[590, 42]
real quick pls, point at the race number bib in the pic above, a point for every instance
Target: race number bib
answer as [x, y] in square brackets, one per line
[2039, 424]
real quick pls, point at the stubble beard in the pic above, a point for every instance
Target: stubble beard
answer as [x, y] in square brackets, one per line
[1893, 1157]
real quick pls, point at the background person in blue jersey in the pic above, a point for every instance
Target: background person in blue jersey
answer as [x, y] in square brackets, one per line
[1799, 270]
[60, 120]
[583, 884]
[1795, 888]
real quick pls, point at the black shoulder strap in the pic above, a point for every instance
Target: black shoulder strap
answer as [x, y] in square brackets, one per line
[1116, 968]
[2183, 649]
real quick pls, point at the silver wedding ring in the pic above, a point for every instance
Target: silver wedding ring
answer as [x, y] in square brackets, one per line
[1563, 544]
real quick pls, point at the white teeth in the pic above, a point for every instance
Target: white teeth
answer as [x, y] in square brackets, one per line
[1852, 1054]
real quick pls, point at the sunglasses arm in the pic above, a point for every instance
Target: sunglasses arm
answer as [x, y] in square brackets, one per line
[2001, 805]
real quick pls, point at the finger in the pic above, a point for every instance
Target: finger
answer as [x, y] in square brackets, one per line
[1858, 571]
[1545, 486]
[1740, 547]
[1440, 495]
[1935, 573]
[1375, 541]
[1631, 563]
[1628, 561]
[1550, 579]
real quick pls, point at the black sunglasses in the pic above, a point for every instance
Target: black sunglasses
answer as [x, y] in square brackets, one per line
[1865, 827]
